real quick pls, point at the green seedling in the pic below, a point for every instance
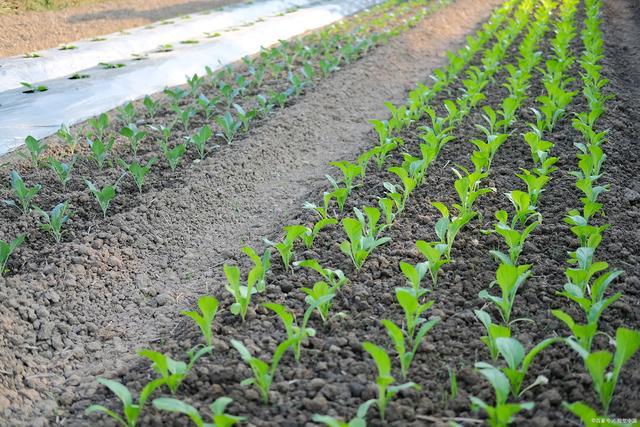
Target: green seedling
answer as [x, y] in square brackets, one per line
[261, 266]
[173, 372]
[184, 116]
[100, 150]
[349, 171]
[99, 126]
[310, 234]
[200, 139]
[241, 294]
[208, 106]
[502, 413]
[285, 247]
[127, 113]
[335, 278]
[62, 170]
[174, 155]
[108, 66]
[208, 309]
[407, 346]
[494, 331]
[151, 106]
[35, 149]
[130, 410]
[53, 221]
[229, 125]
[321, 298]
[447, 228]
[588, 415]
[434, 254]
[219, 417]
[523, 206]
[103, 196]
[358, 421]
[509, 278]
[33, 88]
[598, 363]
[386, 391]
[245, 117]
[297, 334]
[134, 135]
[279, 98]
[23, 194]
[518, 362]
[513, 238]
[359, 245]
[409, 300]
[263, 373]
[65, 134]
[6, 249]
[137, 171]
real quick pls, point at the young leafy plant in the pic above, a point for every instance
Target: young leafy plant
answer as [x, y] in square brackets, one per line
[53, 221]
[285, 247]
[297, 333]
[358, 421]
[509, 278]
[263, 373]
[335, 278]
[62, 170]
[100, 150]
[502, 413]
[494, 331]
[174, 155]
[518, 362]
[219, 417]
[434, 254]
[208, 306]
[200, 139]
[35, 149]
[241, 294]
[173, 372]
[359, 245]
[131, 410]
[310, 233]
[134, 135]
[137, 171]
[229, 126]
[103, 196]
[24, 195]
[6, 249]
[386, 391]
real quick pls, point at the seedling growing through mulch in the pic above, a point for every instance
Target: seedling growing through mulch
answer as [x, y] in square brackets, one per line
[263, 373]
[33, 88]
[24, 195]
[53, 221]
[219, 418]
[67, 47]
[131, 411]
[108, 66]
[6, 249]
[79, 76]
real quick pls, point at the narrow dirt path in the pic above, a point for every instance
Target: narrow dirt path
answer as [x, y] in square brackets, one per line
[86, 312]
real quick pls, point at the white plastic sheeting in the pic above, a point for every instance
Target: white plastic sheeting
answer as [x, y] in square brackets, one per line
[71, 101]
[55, 63]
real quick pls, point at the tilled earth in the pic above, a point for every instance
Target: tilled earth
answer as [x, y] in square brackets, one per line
[335, 375]
[78, 310]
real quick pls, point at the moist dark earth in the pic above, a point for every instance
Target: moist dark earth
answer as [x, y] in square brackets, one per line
[335, 375]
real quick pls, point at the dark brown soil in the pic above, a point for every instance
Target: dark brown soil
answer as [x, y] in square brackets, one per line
[335, 375]
[28, 31]
[74, 311]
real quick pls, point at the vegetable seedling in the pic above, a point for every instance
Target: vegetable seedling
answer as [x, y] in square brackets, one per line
[173, 372]
[137, 171]
[53, 221]
[229, 126]
[174, 155]
[35, 148]
[24, 195]
[103, 196]
[494, 331]
[285, 247]
[509, 278]
[134, 135]
[335, 278]
[130, 410]
[200, 139]
[263, 373]
[386, 391]
[208, 309]
[241, 294]
[407, 351]
[33, 88]
[219, 416]
[100, 150]
[359, 245]
[6, 249]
